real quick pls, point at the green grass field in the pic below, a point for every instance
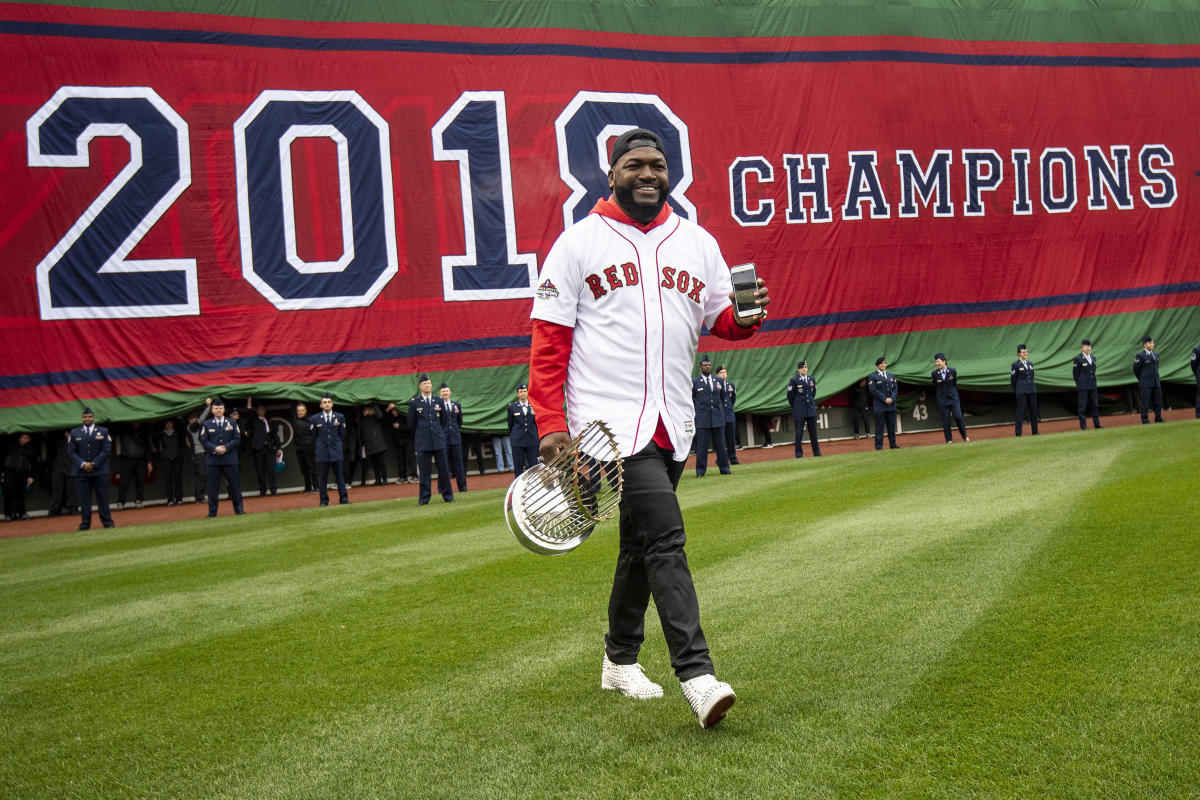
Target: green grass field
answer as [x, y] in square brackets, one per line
[1015, 618]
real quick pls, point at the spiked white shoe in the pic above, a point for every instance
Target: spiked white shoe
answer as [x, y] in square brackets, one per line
[628, 679]
[709, 698]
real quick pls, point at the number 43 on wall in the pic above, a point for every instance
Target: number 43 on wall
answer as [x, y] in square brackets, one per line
[88, 275]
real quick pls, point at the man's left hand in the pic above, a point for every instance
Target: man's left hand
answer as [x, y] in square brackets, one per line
[761, 300]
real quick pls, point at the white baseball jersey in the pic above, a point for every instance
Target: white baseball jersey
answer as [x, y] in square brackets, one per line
[636, 302]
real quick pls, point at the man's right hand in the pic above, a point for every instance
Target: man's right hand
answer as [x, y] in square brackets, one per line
[552, 443]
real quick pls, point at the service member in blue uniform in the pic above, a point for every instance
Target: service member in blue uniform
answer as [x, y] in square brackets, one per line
[1145, 367]
[802, 397]
[523, 431]
[730, 418]
[1084, 372]
[945, 384]
[884, 391]
[220, 435]
[454, 439]
[329, 435]
[89, 448]
[1196, 372]
[427, 420]
[1020, 375]
[708, 398]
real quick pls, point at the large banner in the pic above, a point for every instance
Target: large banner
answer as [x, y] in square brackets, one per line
[205, 203]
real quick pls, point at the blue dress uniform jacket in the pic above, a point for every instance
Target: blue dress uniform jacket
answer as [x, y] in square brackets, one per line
[328, 437]
[1084, 372]
[454, 417]
[945, 384]
[1021, 377]
[223, 431]
[709, 405]
[882, 386]
[522, 426]
[94, 448]
[427, 421]
[802, 396]
[1145, 367]
[730, 398]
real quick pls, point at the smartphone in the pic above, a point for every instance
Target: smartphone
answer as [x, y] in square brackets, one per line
[745, 283]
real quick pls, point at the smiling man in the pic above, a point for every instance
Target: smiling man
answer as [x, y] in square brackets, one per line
[617, 315]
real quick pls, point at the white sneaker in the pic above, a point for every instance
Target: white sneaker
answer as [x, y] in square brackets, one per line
[709, 698]
[628, 679]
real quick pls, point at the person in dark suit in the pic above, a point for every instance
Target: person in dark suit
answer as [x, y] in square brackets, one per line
[802, 397]
[1022, 379]
[374, 445]
[329, 432]
[427, 421]
[221, 435]
[884, 392]
[1145, 367]
[708, 398]
[20, 462]
[945, 384]
[406, 461]
[523, 431]
[263, 447]
[172, 450]
[306, 449]
[133, 452]
[731, 432]
[1084, 372]
[1196, 372]
[199, 467]
[63, 494]
[89, 450]
[454, 438]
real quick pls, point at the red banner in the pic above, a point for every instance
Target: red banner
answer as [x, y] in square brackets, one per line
[193, 201]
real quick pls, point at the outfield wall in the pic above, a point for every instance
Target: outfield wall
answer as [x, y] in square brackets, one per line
[261, 198]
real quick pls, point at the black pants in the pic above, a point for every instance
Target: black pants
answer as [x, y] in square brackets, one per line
[323, 481]
[307, 459]
[378, 463]
[651, 562]
[1198, 398]
[63, 494]
[717, 436]
[1089, 403]
[1151, 397]
[474, 444]
[454, 462]
[264, 467]
[14, 493]
[885, 419]
[523, 458]
[232, 479]
[425, 461]
[85, 484]
[173, 473]
[800, 424]
[199, 474]
[953, 409]
[133, 472]
[406, 465]
[763, 423]
[859, 414]
[1027, 402]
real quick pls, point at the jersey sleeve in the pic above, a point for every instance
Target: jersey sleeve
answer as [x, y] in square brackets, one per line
[556, 297]
[719, 283]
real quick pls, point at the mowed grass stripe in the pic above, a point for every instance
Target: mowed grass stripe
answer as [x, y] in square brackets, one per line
[480, 680]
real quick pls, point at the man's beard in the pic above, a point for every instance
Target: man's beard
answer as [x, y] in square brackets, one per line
[636, 211]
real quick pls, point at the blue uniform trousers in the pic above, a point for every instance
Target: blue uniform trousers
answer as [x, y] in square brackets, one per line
[885, 419]
[232, 479]
[806, 422]
[323, 481]
[952, 409]
[1089, 403]
[523, 458]
[717, 436]
[425, 459]
[85, 483]
[1027, 402]
[1151, 399]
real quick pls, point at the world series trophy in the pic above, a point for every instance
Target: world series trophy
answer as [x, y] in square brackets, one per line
[552, 508]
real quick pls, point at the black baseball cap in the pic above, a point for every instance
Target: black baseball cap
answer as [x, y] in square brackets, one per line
[631, 140]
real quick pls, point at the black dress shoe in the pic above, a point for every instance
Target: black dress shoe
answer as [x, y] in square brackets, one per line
[212, 515]
[85, 527]
[110, 524]
[324, 502]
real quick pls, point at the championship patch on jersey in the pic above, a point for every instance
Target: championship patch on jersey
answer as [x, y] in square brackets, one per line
[547, 290]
